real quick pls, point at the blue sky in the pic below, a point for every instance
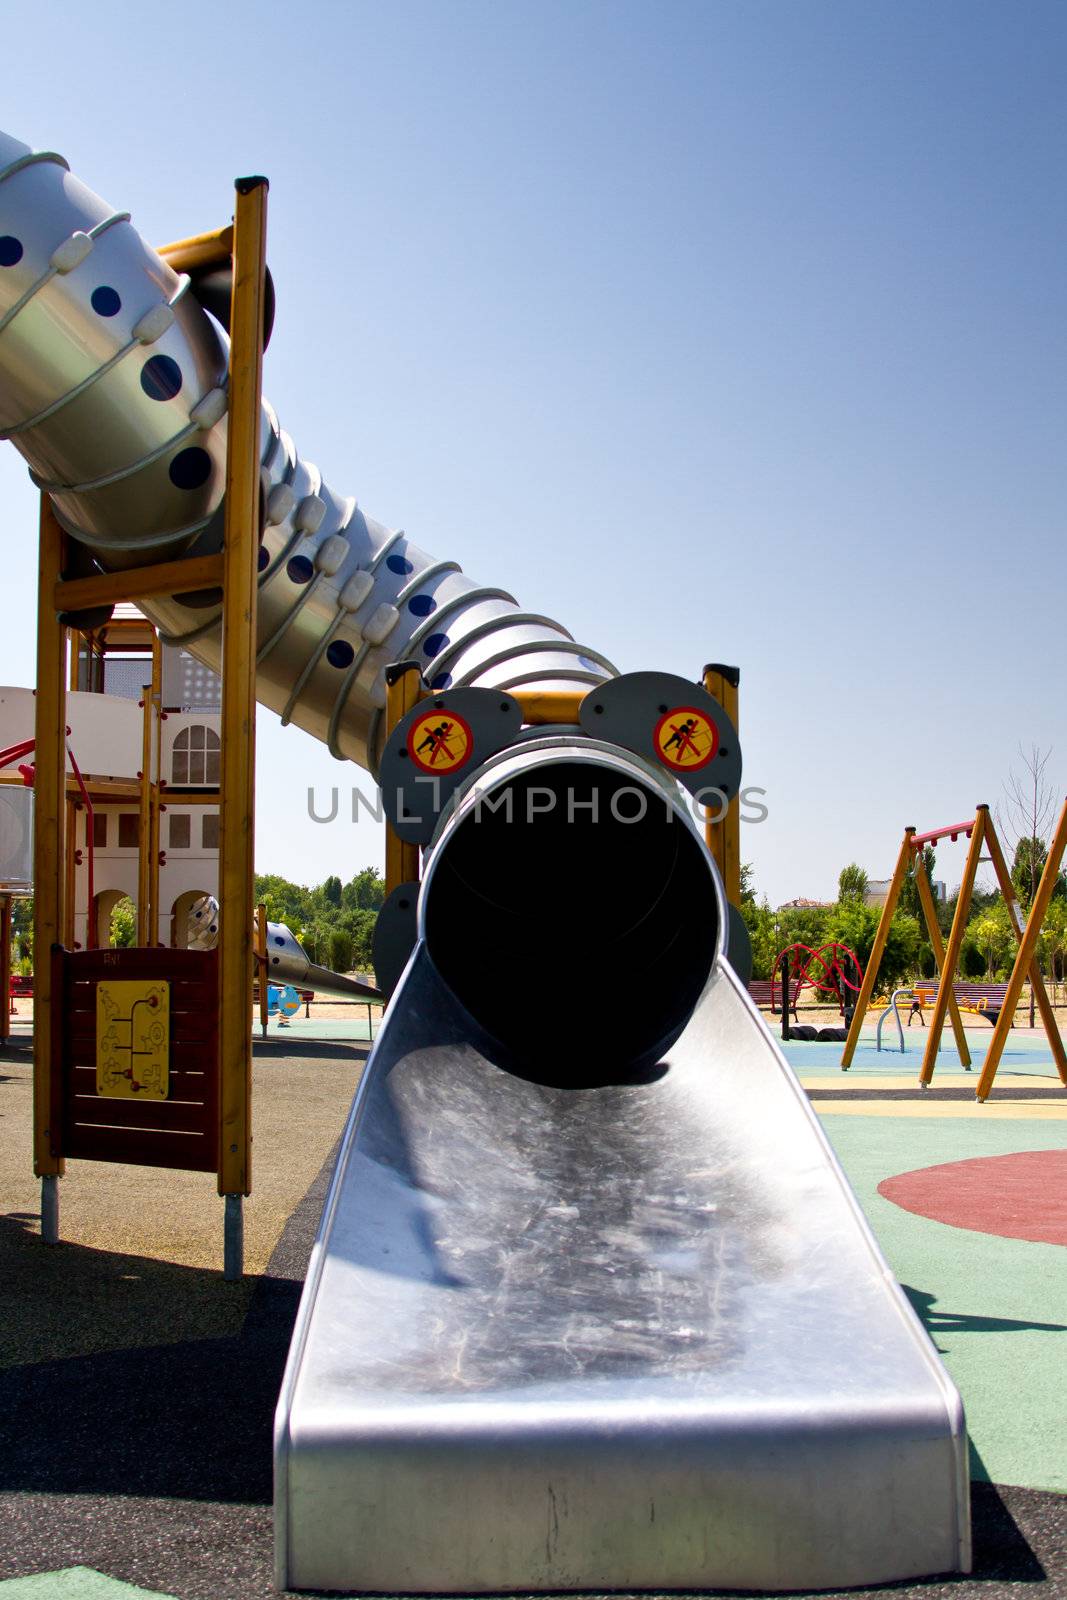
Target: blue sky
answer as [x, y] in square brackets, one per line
[730, 331]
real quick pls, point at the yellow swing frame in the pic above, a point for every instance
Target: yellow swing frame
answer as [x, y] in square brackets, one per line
[982, 834]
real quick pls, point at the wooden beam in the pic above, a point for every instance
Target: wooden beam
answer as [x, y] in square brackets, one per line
[945, 988]
[144, 821]
[403, 691]
[190, 797]
[1027, 937]
[937, 945]
[49, 842]
[863, 999]
[212, 249]
[138, 583]
[153, 793]
[723, 834]
[105, 790]
[238, 762]
[544, 707]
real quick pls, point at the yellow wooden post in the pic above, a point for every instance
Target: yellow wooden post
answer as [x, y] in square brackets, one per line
[5, 968]
[543, 707]
[153, 793]
[236, 833]
[863, 999]
[1024, 959]
[212, 249]
[1007, 889]
[403, 691]
[723, 834]
[937, 945]
[262, 966]
[139, 583]
[953, 948]
[49, 842]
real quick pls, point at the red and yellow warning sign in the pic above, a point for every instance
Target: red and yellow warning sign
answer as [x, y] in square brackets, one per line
[439, 741]
[685, 739]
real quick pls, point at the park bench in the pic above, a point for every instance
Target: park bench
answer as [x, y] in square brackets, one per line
[983, 1000]
[760, 992]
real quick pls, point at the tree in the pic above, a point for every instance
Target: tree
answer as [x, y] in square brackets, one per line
[340, 950]
[972, 961]
[22, 934]
[991, 935]
[360, 927]
[317, 915]
[1024, 824]
[762, 932]
[855, 924]
[803, 925]
[286, 902]
[909, 894]
[315, 939]
[1027, 867]
[748, 884]
[365, 892]
[1052, 945]
[852, 884]
[123, 928]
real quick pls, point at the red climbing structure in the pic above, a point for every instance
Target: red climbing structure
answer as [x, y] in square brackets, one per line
[831, 969]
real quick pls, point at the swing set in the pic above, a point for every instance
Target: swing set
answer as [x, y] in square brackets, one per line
[981, 833]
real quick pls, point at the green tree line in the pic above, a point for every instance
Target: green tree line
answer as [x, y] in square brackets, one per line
[988, 946]
[334, 921]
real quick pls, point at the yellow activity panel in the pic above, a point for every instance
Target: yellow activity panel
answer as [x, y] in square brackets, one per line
[133, 1039]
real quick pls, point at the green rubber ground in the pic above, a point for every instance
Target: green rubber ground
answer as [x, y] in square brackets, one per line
[74, 1583]
[999, 1314]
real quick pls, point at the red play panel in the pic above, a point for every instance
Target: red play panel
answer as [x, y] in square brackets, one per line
[1019, 1196]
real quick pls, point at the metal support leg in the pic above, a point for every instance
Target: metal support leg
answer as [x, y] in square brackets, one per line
[233, 1250]
[50, 1208]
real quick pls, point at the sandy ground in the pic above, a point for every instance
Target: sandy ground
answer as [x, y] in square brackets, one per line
[178, 1216]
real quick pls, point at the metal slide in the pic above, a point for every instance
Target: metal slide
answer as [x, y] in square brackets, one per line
[635, 1336]
[579, 1321]
[592, 1305]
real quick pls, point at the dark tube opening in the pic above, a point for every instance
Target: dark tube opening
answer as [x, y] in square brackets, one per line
[574, 915]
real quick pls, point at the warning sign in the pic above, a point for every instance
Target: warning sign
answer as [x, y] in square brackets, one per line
[685, 739]
[133, 1039]
[439, 741]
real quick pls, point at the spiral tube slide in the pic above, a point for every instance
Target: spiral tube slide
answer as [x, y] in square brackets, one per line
[113, 387]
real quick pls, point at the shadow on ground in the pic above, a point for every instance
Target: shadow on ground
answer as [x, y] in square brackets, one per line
[941, 1321]
[153, 1413]
[172, 1394]
[151, 1461]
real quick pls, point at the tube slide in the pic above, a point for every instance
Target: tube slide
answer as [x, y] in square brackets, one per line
[287, 960]
[113, 388]
[592, 1305]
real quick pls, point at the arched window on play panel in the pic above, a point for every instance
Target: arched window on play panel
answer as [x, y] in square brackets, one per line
[195, 759]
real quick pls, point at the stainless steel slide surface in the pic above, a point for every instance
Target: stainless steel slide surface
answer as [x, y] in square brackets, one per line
[617, 1337]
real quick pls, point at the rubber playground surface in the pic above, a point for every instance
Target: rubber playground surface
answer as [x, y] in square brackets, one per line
[137, 1388]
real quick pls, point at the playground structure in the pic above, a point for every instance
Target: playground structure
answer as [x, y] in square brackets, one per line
[981, 833]
[825, 969]
[549, 1337]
